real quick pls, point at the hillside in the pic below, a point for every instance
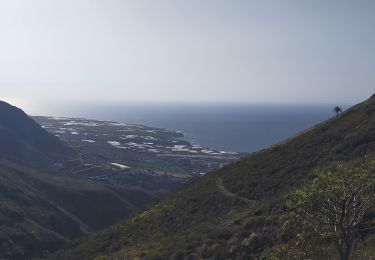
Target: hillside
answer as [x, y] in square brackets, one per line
[234, 212]
[25, 141]
[39, 212]
[41, 209]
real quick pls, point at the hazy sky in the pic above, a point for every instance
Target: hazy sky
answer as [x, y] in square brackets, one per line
[187, 50]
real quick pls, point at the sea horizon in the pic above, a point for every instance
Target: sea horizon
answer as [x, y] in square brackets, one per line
[237, 127]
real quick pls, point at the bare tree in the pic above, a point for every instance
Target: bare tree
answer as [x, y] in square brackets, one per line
[338, 110]
[335, 203]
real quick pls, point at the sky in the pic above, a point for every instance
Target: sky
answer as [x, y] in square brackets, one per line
[291, 51]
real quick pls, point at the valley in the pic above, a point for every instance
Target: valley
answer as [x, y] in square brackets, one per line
[237, 212]
[89, 189]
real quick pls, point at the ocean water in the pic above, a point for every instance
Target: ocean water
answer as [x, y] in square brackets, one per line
[230, 127]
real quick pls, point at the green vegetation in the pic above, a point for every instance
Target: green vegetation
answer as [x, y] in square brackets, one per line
[328, 214]
[160, 167]
[203, 220]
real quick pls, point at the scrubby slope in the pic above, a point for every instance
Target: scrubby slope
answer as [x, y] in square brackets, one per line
[41, 209]
[39, 212]
[234, 212]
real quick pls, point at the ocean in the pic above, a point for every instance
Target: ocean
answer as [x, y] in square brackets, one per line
[229, 127]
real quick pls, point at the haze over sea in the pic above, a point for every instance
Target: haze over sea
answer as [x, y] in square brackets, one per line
[230, 127]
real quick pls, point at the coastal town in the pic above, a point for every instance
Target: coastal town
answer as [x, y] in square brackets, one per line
[111, 151]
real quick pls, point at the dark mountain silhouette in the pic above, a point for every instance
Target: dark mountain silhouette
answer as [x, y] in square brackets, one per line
[25, 141]
[41, 209]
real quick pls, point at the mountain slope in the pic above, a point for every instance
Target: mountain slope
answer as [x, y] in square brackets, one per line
[23, 140]
[234, 212]
[39, 212]
[41, 209]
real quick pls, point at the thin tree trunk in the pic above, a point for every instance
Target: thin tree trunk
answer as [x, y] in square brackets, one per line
[345, 250]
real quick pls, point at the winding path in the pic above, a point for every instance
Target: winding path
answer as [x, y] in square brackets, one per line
[220, 186]
[86, 170]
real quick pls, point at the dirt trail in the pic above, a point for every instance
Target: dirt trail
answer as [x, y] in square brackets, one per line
[86, 170]
[220, 186]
